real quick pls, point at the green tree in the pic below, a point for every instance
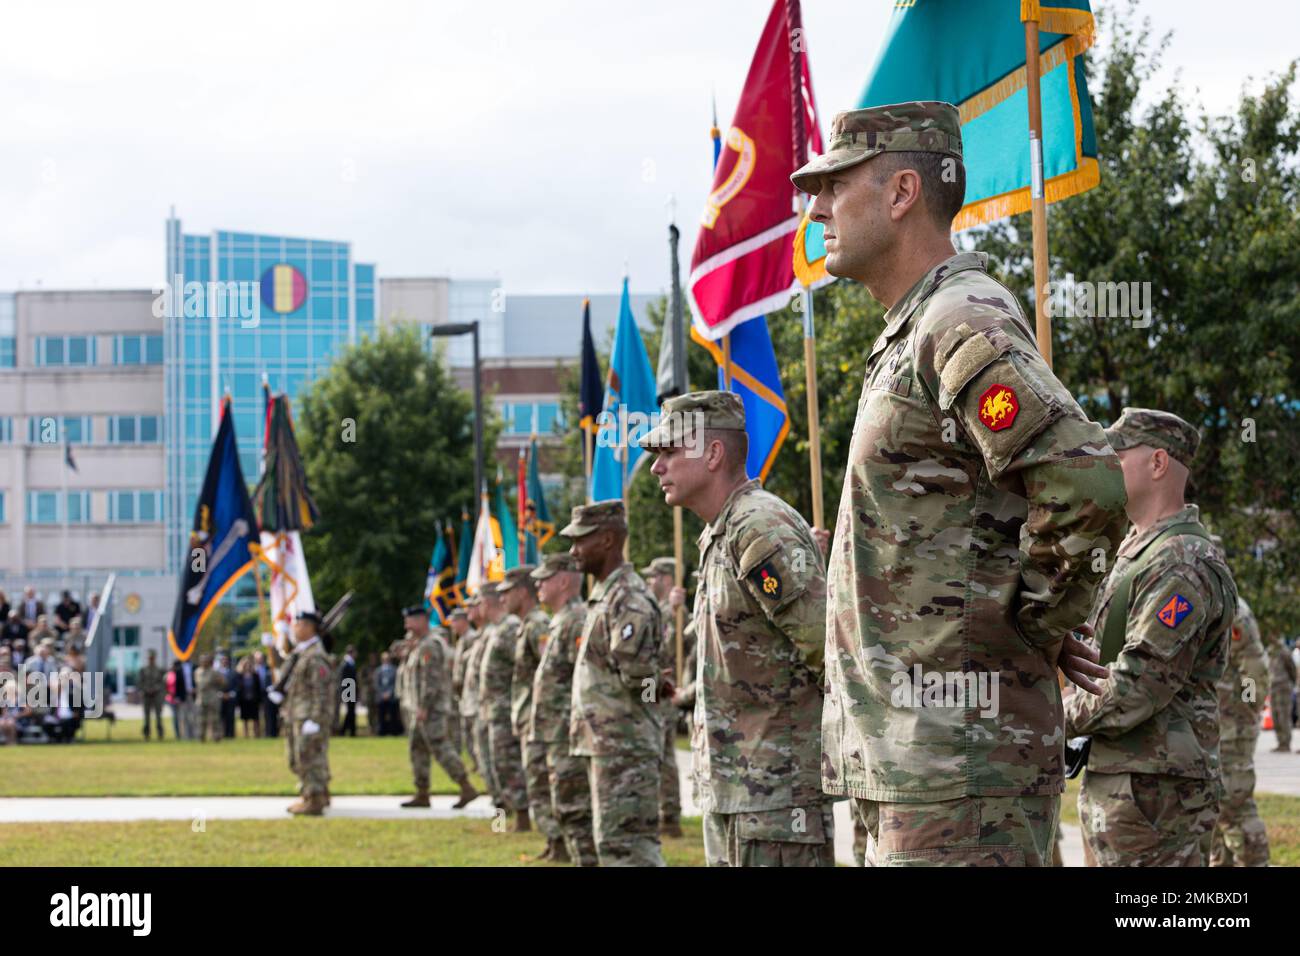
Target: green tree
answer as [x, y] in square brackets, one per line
[388, 443]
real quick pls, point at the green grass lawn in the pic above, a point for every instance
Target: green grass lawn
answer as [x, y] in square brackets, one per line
[127, 766]
[314, 841]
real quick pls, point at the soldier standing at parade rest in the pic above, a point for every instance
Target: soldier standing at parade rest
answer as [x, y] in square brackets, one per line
[466, 638]
[519, 595]
[1281, 675]
[1151, 790]
[432, 710]
[616, 718]
[208, 687]
[659, 576]
[1240, 837]
[482, 740]
[496, 677]
[760, 631]
[307, 710]
[559, 586]
[153, 689]
[980, 506]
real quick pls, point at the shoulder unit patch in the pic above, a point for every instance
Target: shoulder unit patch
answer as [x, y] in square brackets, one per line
[1174, 610]
[767, 579]
[998, 407]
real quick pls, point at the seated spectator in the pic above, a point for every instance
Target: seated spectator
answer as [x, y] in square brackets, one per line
[76, 636]
[64, 612]
[41, 633]
[5, 607]
[13, 629]
[30, 609]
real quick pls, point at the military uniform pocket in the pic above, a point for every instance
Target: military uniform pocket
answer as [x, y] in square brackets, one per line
[788, 825]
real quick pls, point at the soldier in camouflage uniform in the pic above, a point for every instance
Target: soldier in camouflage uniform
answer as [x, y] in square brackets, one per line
[977, 501]
[307, 710]
[432, 710]
[469, 690]
[1240, 838]
[519, 596]
[496, 677]
[482, 739]
[1282, 676]
[559, 585]
[760, 630]
[460, 632]
[209, 685]
[616, 718]
[153, 690]
[660, 576]
[1151, 790]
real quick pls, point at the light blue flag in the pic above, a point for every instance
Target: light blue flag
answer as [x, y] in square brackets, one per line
[628, 407]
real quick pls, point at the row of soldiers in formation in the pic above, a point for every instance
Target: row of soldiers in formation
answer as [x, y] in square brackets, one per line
[979, 551]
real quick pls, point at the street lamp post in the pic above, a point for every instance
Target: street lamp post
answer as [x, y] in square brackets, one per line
[461, 328]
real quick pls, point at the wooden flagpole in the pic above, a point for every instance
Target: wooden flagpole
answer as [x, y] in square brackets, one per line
[1043, 322]
[814, 409]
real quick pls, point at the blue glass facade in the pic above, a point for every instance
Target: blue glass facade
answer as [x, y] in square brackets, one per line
[223, 335]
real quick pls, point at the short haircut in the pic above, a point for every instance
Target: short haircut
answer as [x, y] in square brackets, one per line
[735, 445]
[943, 180]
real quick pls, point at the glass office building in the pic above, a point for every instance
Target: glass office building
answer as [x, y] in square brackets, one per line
[239, 307]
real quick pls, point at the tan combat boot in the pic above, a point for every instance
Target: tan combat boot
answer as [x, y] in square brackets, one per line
[312, 806]
[421, 799]
[297, 806]
[467, 794]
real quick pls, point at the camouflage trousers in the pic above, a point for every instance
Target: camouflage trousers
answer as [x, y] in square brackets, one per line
[210, 721]
[859, 832]
[153, 704]
[1143, 819]
[483, 747]
[308, 759]
[468, 743]
[625, 810]
[670, 785]
[1240, 838]
[571, 801]
[1279, 702]
[793, 836]
[537, 781]
[507, 765]
[430, 740]
[969, 831]
[454, 733]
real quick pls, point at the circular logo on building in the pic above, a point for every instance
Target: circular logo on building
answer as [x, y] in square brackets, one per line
[133, 603]
[284, 289]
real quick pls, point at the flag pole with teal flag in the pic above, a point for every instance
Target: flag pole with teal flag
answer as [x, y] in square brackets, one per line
[1014, 69]
[627, 411]
[509, 529]
[439, 591]
[540, 528]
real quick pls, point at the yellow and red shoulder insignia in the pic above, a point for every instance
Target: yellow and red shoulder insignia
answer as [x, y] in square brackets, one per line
[1174, 610]
[998, 407]
[768, 581]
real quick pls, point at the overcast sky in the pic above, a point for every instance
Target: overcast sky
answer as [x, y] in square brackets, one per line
[537, 142]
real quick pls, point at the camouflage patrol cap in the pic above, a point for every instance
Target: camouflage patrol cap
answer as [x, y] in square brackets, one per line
[553, 564]
[660, 566]
[490, 589]
[929, 126]
[472, 601]
[595, 517]
[1157, 429]
[457, 613]
[686, 415]
[516, 576]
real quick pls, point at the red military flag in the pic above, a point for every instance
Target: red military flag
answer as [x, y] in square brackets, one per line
[742, 265]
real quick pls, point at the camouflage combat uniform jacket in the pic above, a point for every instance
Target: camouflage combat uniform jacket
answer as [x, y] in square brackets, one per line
[497, 669]
[1244, 683]
[471, 643]
[548, 720]
[529, 646]
[309, 692]
[760, 626]
[616, 677]
[431, 681]
[152, 681]
[977, 498]
[1158, 711]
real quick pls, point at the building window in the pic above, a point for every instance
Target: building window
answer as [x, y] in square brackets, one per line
[133, 429]
[6, 431]
[8, 346]
[137, 349]
[134, 507]
[65, 350]
[48, 430]
[2, 507]
[43, 507]
[528, 418]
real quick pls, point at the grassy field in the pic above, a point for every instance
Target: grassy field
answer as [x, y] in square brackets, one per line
[318, 841]
[128, 766]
